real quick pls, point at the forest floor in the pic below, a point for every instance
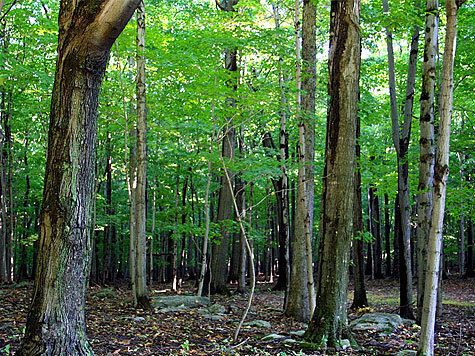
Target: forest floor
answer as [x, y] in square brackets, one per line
[115, 328]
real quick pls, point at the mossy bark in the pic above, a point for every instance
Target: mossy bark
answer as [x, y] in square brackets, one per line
[328, 325]
[56, 320]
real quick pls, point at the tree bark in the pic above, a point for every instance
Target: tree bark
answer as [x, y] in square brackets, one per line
[360, 299]
[401, 138]
[56, 320]
[219, 257]
[301, 300]
[441, 173]
[329, 322]
[140, 286]
[426, 144]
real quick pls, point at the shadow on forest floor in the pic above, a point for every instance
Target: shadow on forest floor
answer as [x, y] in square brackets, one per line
[115, 328]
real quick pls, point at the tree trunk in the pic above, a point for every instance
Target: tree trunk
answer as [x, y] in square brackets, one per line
[387, 235]
[140, 291]
[426, 144]
[301, 300]
[441, 173]
[56, 320]
[329, 322]
[401, 140]
[283, 211]
[376, 232]
[360, 299]
[219, 257]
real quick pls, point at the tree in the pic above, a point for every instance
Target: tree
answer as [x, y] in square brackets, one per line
[139, 284]
[401, 139]
[56, 320]
[426, 143]
[360, 299]
[225, 204]
[441, 173]
[329, 322]
[301, 299]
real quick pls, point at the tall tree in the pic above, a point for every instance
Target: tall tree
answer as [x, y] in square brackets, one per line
[329, 322]
[139, 285]
[441, 173]
[225, 205]
[56, 320]
[282, 189]
[301, 299]
[401, 139]
[426, 144]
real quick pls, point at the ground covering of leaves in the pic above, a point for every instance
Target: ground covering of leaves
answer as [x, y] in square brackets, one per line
[115, 328]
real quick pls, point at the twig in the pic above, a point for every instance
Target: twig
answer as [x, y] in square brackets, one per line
[240, 344]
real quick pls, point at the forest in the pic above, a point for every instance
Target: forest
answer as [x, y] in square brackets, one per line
[237, 177]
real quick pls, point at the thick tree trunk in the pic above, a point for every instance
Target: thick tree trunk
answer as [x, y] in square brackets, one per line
[329, 322]
[441, 173]
[56, 320]
[140, 291]
[426, 144]
[301, 300]
[219, 256]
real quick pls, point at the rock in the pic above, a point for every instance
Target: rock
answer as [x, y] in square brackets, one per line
[384, 323]
[216, 317]
[272, 337]
[216, 309]
[179, 308]
[105, 293]
[298, 333]
[258, 324]
[189, 301]
[289, 342]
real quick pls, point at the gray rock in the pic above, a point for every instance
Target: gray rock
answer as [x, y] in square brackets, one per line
[258, 324]
[381, 322]
[172, 309]
[189, 301]
[216, 309]
[272, 337]
[215, 317]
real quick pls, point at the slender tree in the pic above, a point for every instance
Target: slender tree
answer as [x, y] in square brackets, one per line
[56, 320]
[401, 139]
[301, 299]
[360, 298]
[329, 322]
[441, 173]
[426, 144]
[139, 287]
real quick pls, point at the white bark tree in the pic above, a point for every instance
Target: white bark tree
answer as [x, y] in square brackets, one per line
[441, 173]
